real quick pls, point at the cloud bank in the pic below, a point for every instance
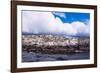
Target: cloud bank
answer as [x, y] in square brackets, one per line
[45, 22]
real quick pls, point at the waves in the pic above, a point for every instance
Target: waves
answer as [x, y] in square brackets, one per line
[38, 57]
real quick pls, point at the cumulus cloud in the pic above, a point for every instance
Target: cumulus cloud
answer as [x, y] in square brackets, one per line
[45, 22]
[60, 14]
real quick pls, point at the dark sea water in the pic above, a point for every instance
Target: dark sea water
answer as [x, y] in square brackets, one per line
[38, 57]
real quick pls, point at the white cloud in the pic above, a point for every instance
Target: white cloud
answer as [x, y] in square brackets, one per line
[60, 14]
[45, 22]
[80, 27]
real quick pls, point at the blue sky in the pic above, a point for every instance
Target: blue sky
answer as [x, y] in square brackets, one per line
[67, 23]
[69, 17]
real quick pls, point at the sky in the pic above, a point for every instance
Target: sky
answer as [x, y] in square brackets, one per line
[62, 23]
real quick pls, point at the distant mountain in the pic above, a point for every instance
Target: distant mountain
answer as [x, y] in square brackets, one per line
[26, 33]
[64, 35]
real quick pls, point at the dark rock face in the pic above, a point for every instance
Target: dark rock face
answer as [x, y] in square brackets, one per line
[54, 44]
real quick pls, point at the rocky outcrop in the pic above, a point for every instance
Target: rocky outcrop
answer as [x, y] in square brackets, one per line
[54, 44]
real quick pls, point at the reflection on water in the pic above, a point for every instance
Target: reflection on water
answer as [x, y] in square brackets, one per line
[37, 57]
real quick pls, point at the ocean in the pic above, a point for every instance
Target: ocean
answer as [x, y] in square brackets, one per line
[38, 57]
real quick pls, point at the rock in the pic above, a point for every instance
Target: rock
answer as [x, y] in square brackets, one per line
[54, 44]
